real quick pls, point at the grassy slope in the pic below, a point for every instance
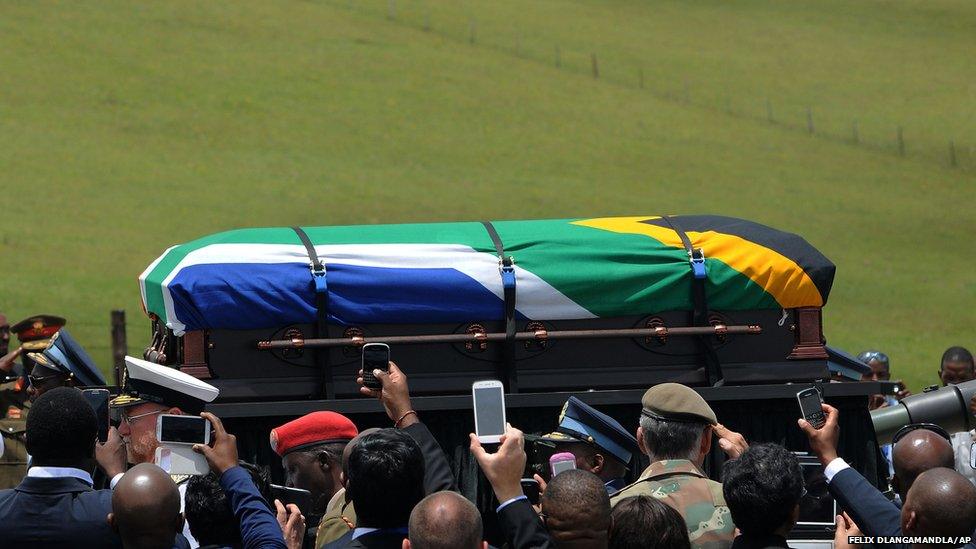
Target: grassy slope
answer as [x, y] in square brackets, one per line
[124, 130]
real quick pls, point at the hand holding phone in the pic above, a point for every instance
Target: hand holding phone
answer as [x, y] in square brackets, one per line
[179, 436]
[376, 356]
[532, 490]
[811, 407]
[489, 410]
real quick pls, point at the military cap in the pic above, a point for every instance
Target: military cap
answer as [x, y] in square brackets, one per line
[34, 332]
[580, 422]
[676, 402]
[144, 381]
[312, 429]
[64, 355]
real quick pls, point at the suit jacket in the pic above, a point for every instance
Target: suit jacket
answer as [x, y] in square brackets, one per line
[438, 475]
[875, 514]
[378, 540]
[56, 512]
[522, 527]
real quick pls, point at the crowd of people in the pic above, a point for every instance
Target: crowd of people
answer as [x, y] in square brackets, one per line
[393, 486]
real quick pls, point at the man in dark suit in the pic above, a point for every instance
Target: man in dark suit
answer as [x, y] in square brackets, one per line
[395, 398]
[55, 505]
[385, 479]
[875, 515]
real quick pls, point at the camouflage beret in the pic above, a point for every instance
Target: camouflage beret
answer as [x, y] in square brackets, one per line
[676, 402]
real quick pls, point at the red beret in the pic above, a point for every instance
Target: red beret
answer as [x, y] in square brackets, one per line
[312, 429]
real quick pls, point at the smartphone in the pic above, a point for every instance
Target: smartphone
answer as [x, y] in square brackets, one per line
[375, 356]
[176, 436]
[301, 498]
[530, 487]
[489, 410]
[811, 407]
[98, 400]
[563, 461]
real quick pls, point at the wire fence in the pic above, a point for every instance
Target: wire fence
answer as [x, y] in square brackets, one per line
[893, 139]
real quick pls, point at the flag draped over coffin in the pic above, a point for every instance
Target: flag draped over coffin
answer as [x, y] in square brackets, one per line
[449, 272]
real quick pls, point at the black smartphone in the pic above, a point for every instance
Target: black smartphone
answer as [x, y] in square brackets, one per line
[301, 498]
[98, 400]
[376, 356]
[530, 487]
[811, 407]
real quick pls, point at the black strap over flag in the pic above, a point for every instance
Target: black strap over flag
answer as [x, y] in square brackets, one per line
[506, 267]
[317, 269]
[699, 317]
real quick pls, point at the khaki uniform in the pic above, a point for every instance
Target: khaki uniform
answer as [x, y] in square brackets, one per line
[13, 426]
[338, 520]
[680, 484]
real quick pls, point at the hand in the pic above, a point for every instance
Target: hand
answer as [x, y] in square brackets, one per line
[292, 524]
[845, 528]
[504, 468]
[903, 391]
[223, 455]
[732, 443]
[823, 441]
[542, 491]
[7, 361]
[110, 454]
[395, 394]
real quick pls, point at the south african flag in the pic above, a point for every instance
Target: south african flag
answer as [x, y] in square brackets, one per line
[449, 272]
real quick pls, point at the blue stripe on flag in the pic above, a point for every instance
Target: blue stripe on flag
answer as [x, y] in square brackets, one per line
[242, 296]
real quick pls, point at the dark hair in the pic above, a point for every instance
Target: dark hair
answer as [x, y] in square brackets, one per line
[209, 512]
[61, 427]
[385, 476]
[762, 487]
[957, 354]
[445, 520]
[642, 522]
[671, 439]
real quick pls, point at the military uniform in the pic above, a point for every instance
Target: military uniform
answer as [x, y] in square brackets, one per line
[679, 482]
[34, 334]
[339, 520]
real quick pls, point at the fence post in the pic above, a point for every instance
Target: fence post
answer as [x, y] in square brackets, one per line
[427, 20]
[391, 9]
[769, 111]
[855, 132]
[472, 30]
[810, 120]
[120, 347]
[901, 142]
[595, 66]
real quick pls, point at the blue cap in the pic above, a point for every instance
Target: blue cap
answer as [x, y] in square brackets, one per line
[63, 354]
[580, 422]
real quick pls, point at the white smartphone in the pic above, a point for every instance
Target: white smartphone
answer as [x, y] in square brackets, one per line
[176, 436]
[489, 410]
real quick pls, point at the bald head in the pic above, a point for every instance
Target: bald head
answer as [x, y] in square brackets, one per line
[941, 502]
[917, 452]
[146, 508]
[445, 520]
[577, 509]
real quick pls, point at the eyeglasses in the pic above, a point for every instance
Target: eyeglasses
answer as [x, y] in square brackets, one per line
[916, 426]
[36, 381]
[129, 419]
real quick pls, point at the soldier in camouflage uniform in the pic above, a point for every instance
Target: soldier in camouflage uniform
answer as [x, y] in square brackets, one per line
[676, 433]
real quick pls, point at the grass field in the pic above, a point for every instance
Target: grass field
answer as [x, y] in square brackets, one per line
[126, 128]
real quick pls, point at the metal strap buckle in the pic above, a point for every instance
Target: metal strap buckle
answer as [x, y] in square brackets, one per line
[320, 271]
[506, 264]
[697, 258]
